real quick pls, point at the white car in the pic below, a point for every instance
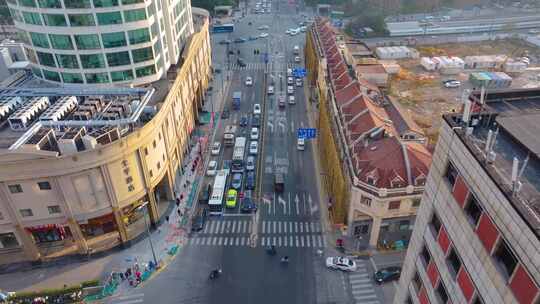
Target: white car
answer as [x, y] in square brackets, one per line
[250, 163]
[289, 72]
[212, 168]
[270, 90]
[253, 147]
[257, 109]
[290, 80]
[263, 35]
[297, 59]
[254, 134]
[216, 147]
[340, 263]
[291, 99]
[452, 84]
[290, 89]
[249, 81]
[298, 82]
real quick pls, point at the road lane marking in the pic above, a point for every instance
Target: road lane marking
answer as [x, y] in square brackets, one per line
[301, 227]
[220, 242]
[233, 227]
[302, 240]
[274, 223]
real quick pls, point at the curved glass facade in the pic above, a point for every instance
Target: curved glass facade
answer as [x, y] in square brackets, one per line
[102, 41]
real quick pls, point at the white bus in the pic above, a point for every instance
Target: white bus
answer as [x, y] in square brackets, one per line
[238, 155]
[228, 136]
[215, 204]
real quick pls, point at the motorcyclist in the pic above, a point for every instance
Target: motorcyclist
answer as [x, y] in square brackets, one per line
[285, 259]
[215, 273]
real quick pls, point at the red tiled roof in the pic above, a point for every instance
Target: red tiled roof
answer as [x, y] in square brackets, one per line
[386, 156]
[349, 92]
[342, 81]
[337, 70]
[401, 119]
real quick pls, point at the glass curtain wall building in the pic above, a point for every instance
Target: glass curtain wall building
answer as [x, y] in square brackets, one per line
[102, 42]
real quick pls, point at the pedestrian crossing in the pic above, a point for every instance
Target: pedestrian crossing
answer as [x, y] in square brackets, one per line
[261, 66]
[362, 287]
[237, 232]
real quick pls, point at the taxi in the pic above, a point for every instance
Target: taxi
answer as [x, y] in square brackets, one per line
[231, 198]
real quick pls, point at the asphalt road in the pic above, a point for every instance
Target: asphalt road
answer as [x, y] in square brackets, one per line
[289, 220]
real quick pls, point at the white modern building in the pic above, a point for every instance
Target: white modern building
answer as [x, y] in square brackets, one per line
[102, 42]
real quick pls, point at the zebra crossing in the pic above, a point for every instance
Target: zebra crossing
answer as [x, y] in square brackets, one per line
[274, 66]
[237, 232]
[361, 284]
[126, 299]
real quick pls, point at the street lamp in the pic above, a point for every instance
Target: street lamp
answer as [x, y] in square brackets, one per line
[145, 204]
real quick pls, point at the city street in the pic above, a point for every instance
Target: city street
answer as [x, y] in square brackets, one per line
[290, 220]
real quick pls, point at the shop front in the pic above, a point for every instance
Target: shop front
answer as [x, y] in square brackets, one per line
[395, 232]
[98, 226]
[50, 233]
[8, 241]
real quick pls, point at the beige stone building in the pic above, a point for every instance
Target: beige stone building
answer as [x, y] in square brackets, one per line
[373, 155]
[72, 185]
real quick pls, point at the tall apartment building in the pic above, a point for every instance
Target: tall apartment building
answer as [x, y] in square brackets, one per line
[476, 238]
[76, 165]
[102, 42]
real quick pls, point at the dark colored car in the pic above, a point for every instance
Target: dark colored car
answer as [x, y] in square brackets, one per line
[387, 274]
[250, 180]
[243, 121]
[224, 42]
[256, 121]
[248, 205]
[236, 182]
[204, 197]
[239, 40]
[225, 114]
[241, 62]
[199, 220]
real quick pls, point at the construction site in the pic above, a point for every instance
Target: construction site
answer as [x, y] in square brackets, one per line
[419, 85]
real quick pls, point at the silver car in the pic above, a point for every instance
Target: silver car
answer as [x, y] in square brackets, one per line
[250, 163]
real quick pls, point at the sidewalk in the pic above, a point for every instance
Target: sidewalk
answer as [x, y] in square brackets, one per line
[167, 237]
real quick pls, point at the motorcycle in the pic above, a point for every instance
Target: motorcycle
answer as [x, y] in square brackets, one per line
[214, 274]
[285, 260]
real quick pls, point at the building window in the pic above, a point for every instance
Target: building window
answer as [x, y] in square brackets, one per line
[144, 54]
[87, 42]
[451, 174]
[393, 205]
[72, 78]
[366, 201]
[15, 188]
[473, 210]
[417, 282]
[122, 75]
[105, 3]
[435, 224]
[54, 209]
[44, 186]
[67, 61]
[81, 20]
[131, 188]
[505, 259]
[139, 36]
[92, 61]
[46, 59]
[416, 202]
[29, 3]
[426, 256]
[77, 3]
[404, 225]
[441, 294]
[50, 4]
[97, 77]
[129, 180]
[51, 75]
[8, 240]
[54, 19]
[31, 18]
[135, 15]
[61, 42]
[145, 151]
[453, 262]
[145, 71]
[109, 18]
[158, 165]
[112, 40]
[151, 173]
[154, 144]
[126, 2]
[118, 58]
[477, 300]
[39, 40]
[26, 212]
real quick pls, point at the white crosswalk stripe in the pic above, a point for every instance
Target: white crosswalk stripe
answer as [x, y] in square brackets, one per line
[362, 287]
[127, 299]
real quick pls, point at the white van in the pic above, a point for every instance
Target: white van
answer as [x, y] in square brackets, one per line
[301, 144]
[289, 72]
[291, 99]
[296, 50]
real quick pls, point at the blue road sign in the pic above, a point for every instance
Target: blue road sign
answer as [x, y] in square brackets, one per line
[299, 72]
[307, 133]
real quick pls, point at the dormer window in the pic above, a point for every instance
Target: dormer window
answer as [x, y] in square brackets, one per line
[371, 180]
[420, 180]
[397, 182]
